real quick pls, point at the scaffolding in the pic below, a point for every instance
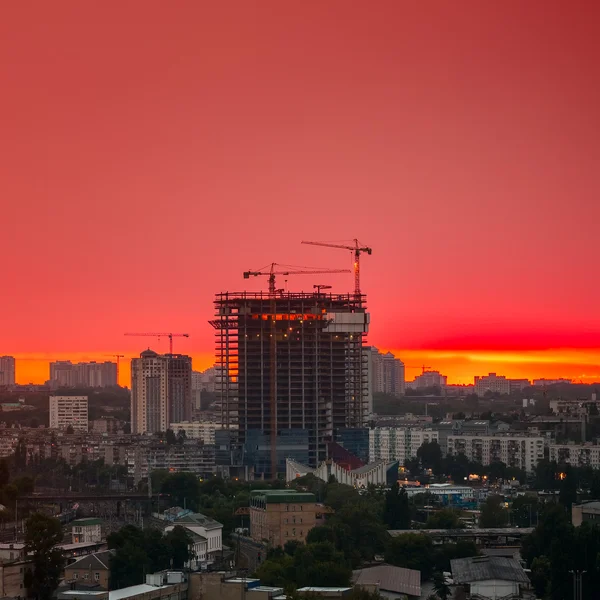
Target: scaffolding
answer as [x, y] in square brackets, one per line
[291, 361]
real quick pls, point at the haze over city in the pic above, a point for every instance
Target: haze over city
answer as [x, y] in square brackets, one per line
[150, 156]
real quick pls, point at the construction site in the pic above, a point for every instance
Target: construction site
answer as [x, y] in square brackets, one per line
[294, 370]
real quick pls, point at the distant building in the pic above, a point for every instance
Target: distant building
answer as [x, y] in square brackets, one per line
[65, 374]
[378, 473]
[386, 373]
[547, 382]
[69, 411]
[428, 379]
[197, 430]
[7, 371]
[398, 443]
[161, 391]
[576, 455]
[106, 425]
[279, 516]
[520, 451]
[86, 531]
[499, 384]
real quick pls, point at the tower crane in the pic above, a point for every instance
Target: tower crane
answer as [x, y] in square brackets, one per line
[424, 367]
[277, 269]
[357, 249]
[159, 335]
[117, 356]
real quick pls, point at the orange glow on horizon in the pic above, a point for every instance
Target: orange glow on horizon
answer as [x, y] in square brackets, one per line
[460, 366]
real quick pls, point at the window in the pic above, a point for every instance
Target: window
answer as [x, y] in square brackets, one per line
[85, 575]
[75, 575]
[96, 576]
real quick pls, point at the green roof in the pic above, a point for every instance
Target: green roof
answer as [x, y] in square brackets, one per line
[283, 496]
[86, 522]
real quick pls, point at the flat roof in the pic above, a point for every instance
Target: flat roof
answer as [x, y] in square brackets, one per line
[324, 589]
[135, 590]
[86, 522]
[283, 496]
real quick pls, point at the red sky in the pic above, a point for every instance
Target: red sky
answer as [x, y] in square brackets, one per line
[151, 152]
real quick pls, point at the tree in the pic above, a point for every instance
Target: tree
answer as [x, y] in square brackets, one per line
[524, 511]
[541, 573]
[184, 489]
[447, 518]
[493, 514]
[180, 544]
[568, 488]
[171, 437]
[430, 455]
[69, 430]
[42, 534]
[412, 551]
[338, 494]
[4, 472]
[396, 513]
[595, 486]
[442, 589]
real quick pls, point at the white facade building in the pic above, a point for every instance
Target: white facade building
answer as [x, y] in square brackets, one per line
[86, 531]
[523, 452]
[7, 370]
[197, 430]
[204, 527]
[68, 411]
[398, 443]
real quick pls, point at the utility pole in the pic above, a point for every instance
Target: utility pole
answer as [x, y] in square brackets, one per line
[577, 584]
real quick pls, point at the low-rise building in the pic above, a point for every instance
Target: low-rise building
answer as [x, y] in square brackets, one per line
[94, 568]
[389, 581]
[278, 516]
[86, 531]
[588, 511]
[489, 577]
[12, 578]
[209, 540]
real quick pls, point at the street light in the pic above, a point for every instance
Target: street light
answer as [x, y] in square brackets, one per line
[577, 585]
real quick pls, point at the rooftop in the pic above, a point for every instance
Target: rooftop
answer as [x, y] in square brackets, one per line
[283, 496]
[99, 560]
[86, 522]
[484, 568]
[197, 519]
[390, 579]
[134, 590]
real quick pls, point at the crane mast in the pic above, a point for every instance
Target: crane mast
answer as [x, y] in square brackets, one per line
[357, 249]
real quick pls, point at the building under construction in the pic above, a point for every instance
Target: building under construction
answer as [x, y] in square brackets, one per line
[294, 371]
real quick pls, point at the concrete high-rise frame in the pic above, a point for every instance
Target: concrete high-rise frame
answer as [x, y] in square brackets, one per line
[305, 350]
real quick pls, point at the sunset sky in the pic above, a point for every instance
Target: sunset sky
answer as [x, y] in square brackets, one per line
[152, 151]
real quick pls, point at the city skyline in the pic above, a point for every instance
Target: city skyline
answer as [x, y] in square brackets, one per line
[472, 175]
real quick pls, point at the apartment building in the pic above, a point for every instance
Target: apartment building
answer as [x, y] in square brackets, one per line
[69, 411]
[519, 451]
[386, 373]
[279, 516]
[398, 443]
[161, 391]
[428, 379]
[498, 384]
[576, 455]
[197, 430]
[65, 374]
[7, 370]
